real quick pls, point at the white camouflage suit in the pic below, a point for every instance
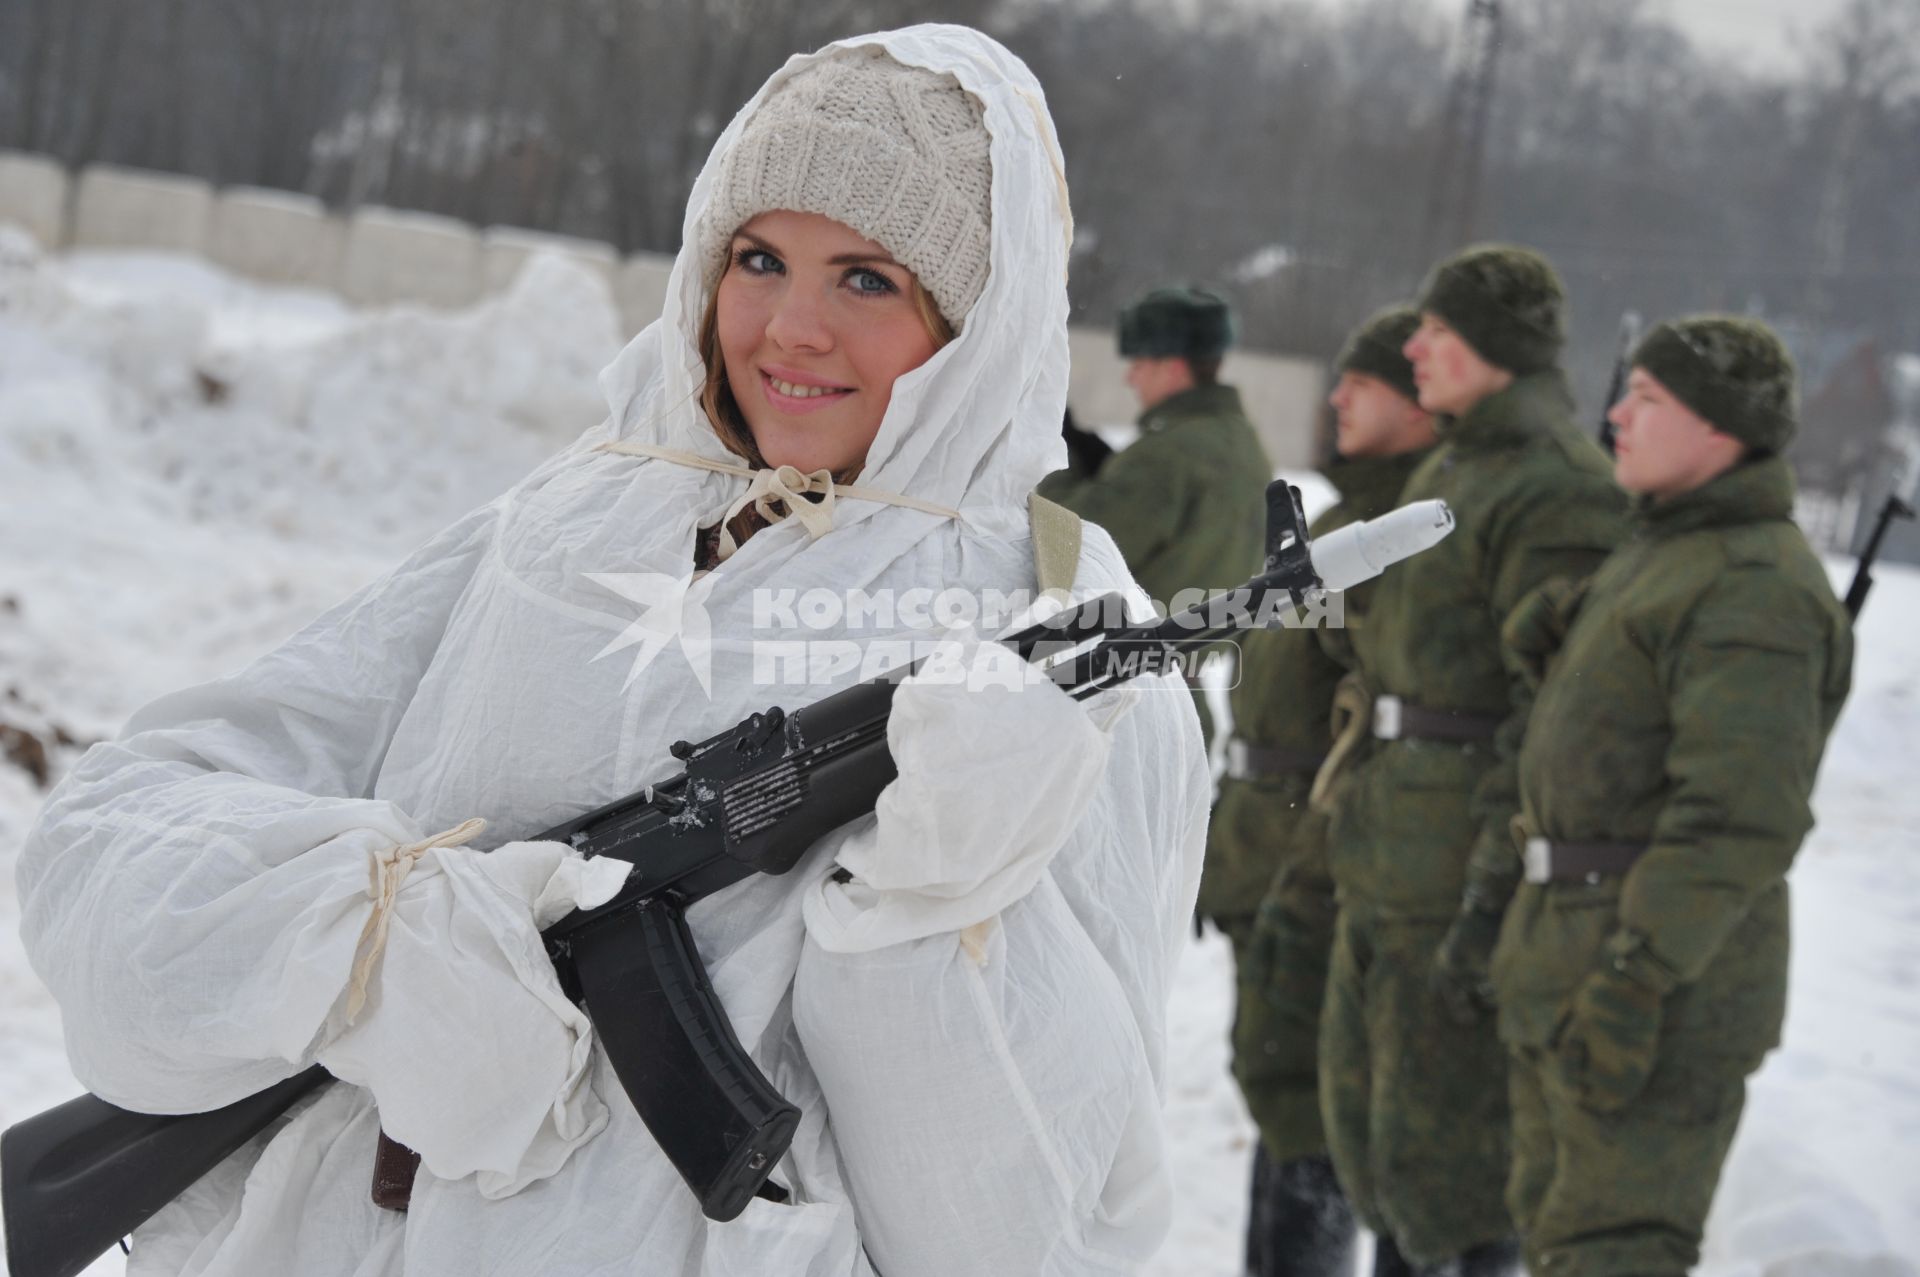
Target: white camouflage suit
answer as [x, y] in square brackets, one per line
[196, 892]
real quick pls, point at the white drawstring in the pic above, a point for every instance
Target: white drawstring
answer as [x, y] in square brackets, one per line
[386, 871]
[778, 491]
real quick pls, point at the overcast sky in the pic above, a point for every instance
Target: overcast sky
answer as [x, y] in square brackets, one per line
[1760, 33]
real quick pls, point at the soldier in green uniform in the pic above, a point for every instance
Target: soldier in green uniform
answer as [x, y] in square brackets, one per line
[1186, 502]
[1412, 1075]
[1664, 781]
[1264, 839]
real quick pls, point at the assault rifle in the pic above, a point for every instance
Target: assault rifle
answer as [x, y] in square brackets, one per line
[751, 800]
[1863, 574]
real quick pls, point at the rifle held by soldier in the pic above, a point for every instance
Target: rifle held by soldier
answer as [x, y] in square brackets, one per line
[1863, 574]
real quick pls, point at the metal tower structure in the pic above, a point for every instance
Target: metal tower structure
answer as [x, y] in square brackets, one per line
[1453, 199]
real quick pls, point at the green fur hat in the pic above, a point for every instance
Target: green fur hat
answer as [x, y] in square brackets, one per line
[1374, 349]
[1189, 323]
[1734, 372]
[1505, 301]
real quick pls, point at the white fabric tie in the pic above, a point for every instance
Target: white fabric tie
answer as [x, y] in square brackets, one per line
[386, 871]
[778, 491]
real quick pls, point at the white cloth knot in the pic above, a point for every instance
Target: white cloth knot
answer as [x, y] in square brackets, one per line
[386, 870]
[778, 491]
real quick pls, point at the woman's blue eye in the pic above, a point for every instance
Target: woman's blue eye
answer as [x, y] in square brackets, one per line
[870, 281]
[756, 261]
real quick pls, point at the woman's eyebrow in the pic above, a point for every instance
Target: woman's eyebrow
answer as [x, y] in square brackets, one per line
[860, 259]
[757, 242]
[838, 259]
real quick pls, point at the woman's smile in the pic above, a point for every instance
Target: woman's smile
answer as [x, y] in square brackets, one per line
[795, 393]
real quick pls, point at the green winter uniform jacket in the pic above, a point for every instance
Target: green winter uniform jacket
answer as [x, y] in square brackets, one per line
[1686, 710]
[1264, 842]
[1533, 499]
[1282, 702]
[1185, 502]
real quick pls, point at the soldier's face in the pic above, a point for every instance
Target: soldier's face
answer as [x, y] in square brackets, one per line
[1155, 380]
[815, 323]
[1372, 419]
[1661, 447]
[1449, 373]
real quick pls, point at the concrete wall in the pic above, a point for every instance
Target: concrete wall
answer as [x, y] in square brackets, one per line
[1282, 394]
[505, 249]
[276, 236]
[380, 256]
[33, 196]
[126, 208]
[397, 256]
[640, 288]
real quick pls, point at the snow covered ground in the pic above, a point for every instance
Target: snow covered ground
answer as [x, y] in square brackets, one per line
[191, 467]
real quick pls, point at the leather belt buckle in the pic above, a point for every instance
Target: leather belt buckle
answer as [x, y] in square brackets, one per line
[1538, 860]
[1386, 717]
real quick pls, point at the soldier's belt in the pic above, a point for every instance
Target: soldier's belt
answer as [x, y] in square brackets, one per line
[1548, 860]
[1396, 719]
[1247, 761]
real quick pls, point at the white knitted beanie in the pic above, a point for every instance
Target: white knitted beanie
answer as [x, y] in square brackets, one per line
[895, 152]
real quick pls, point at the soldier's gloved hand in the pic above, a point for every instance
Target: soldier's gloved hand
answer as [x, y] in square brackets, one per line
[1262, 951]
[1459, 975]
[1609, 1035]
[461, 962]
[1286, 959]
[996, 766]
[1537, 626]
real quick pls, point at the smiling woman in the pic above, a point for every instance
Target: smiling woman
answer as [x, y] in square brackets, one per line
[813, 323]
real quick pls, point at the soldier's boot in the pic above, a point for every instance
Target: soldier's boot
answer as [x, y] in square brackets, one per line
[1388, 1261]
[1494, 1259]
[1300, 1224]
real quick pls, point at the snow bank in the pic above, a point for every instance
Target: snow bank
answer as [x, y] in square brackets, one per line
[164, 381]
[191, 467]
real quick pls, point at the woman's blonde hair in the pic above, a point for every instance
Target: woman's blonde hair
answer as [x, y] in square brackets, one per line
[716, 396]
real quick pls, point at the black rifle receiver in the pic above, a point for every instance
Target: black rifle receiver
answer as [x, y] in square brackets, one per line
[753, 799]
